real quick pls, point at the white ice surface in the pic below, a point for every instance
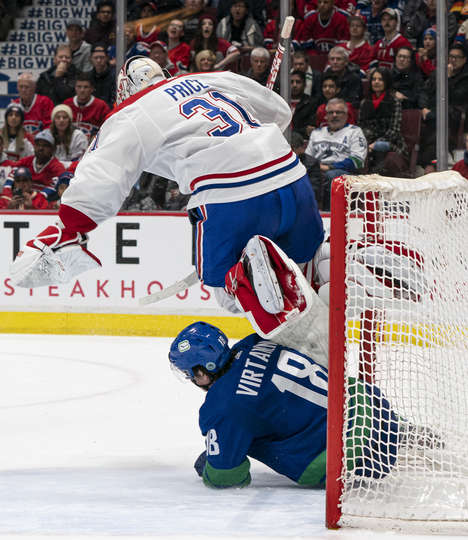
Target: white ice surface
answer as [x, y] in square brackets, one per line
[98, 438]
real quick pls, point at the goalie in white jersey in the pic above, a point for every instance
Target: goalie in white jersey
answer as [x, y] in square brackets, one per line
[220, 137]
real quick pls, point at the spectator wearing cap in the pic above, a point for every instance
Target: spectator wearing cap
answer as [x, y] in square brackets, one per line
[158, 53]
[15, 138]
[240, 28]
[206, 38]
[43, 166]
[360, 50]
[259, 65]
[133, 47]
[63, 182]
[70, 142]
[421, 14]
[102, 26]
[384, 51]
[178, 50]
[322, 29]
[89, 112]
[81, 51]
[151, 34]
[457, 74]
[24, 196]
[102, 74]
[258, 9]
[426, 55]
[58, 82]
[37, 108]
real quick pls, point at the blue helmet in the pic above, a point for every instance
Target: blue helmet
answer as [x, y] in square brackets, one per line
[199, 344]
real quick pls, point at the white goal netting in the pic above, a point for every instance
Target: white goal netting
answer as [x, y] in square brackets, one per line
[405, 430]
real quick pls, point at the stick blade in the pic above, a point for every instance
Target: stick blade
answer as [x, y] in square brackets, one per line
[287, 27]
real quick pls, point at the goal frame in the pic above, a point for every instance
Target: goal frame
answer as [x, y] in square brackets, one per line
[338, 332]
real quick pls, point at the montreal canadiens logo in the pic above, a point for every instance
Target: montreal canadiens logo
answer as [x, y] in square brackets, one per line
[184, 346]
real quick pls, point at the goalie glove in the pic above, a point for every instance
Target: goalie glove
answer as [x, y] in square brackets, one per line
[55, 256]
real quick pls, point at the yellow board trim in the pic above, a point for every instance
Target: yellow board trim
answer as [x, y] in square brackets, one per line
[115, 324]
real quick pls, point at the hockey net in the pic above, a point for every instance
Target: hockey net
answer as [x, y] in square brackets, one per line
[398, 381]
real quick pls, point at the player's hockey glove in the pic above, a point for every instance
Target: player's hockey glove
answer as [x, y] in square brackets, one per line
[54, 256]
[199, 464]
[388, 270]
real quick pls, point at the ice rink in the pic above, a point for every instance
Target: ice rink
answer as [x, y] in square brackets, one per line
[98, 440]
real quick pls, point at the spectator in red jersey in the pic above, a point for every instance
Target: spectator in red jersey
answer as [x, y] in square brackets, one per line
[44, 168]
[426, 55]
[349, 78]
[24, 196]
[178, 50]
[384, 51]
[15, 139]
[205, 38]
[147, 9]
[330, 90]
[305, 7]
[322, 29]
[37, 108]
[89, 112]
[302, 106]
[102, 75]
[70, 142]
[81, 51]
[58, 82]
[380, 120]
[462, 165]
[240, 28]
[259, 65]
[272, 30]
[102, 27]
[300, 62]
[360, 50]
[204, 61]
[158, 53]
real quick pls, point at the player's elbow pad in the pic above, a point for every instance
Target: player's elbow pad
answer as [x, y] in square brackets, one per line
[227, 478]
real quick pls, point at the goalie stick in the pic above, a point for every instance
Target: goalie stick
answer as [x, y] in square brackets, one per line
[275, 66]
[173, 289]
[192, 278]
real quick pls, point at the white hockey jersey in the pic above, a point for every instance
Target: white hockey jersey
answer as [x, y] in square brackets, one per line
[343, 149]
[218, 135]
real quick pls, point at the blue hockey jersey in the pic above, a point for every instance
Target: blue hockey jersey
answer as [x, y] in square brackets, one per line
[271, 405]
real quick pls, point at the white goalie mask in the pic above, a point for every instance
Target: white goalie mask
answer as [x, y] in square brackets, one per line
[137, 73]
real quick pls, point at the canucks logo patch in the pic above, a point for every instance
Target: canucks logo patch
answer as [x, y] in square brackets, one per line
[184, 346]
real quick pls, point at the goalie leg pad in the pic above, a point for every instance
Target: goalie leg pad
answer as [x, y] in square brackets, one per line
[289, 280]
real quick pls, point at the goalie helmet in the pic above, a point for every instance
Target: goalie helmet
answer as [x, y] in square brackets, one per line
[199, 344]
[137, 73]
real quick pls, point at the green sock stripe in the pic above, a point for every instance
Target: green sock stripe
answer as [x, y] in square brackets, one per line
[236, 477]
[315, 473]
[360, 416]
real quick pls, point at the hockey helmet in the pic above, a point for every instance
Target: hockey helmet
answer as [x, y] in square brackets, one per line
[199, 344]
[137, 73]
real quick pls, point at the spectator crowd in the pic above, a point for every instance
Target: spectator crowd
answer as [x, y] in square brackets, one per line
[358, 69]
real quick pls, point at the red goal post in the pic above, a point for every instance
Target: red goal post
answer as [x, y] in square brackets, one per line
[397, 443]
